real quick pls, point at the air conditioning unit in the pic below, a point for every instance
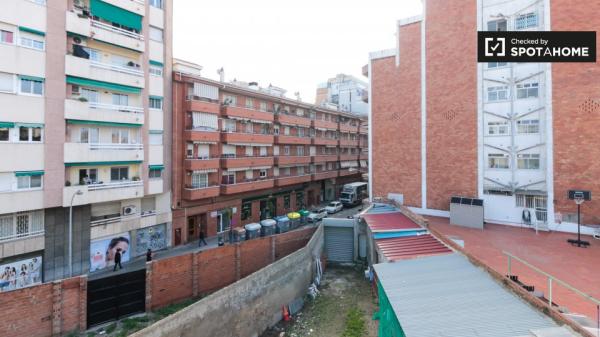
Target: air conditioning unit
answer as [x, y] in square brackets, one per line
[129, 210]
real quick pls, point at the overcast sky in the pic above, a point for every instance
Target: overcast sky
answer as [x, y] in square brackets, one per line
[292, 44]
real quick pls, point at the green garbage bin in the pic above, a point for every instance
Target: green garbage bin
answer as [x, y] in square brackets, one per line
[303, 216]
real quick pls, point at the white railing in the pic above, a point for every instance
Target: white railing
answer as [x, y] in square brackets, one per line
[107, 221]
[21, 235]
[110, 146]
[192, 188]
[141, 2]
[122, 108]
[121, 31]
[114, 67]
[120, 184]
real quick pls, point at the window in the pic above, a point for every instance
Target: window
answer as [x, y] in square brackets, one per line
[286, 130]
[528, 126]
[229, 100]
[299, 200]
[527, 90]
[499, 93]
[88, 135]
[94, 54]
[497, 128]
[497, 25]
[286, 150]
[155, 70]
[528, 20]
[492, 65]
[528, 161]
[88, 176]
[285, 171]
[6, 36]
[120, 136]
[228, 178]
[263, 106]
[249, 103]
[155, 174]
[264, 129]
[156, 34]
[189, 150]
[7, 82]
[263, 151]
[28, 182]
[300, 132]
[21, 224]
[276, 130]
[156, 103]
[156, 3]
[248, 127]
[286, 201]
[205, 121]
[530, 201]
[31, 86]
[4, 134]
[263, 174]
[300, 170]
[30, 134]
[229, 125]
[31, 43]
[300, 150]
[246, 210]
[91, 95]
[119, 173]
[199, 180]
[300, 112]
[497, 161]
[155, 138]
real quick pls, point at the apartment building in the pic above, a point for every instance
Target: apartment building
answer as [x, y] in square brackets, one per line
[344, 93]
[84, 122]
[517, 135]
[242, 153]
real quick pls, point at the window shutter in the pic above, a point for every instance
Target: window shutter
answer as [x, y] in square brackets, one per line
[203, 151]
[206, 91]
[205, 120]
[229, 149]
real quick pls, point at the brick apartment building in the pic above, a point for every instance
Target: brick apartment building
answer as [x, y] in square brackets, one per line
[518, 135]
[243, 153]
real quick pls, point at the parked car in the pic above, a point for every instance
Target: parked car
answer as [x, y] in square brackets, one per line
[334, 207]
[317, 215]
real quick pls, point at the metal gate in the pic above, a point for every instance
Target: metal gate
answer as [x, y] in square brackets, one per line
[339, 244]
[114, 297]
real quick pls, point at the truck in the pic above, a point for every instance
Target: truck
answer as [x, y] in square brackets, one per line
[353, 194]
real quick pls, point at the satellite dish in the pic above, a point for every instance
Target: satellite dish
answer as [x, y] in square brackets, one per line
[77, 39]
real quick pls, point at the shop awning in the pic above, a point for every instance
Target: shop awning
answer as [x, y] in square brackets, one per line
[103, 85]
[156, 63]
[29, 173]
[124, 125]
[116, 14]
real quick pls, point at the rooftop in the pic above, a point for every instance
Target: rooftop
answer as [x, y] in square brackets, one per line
[400, 248]
[389, 221]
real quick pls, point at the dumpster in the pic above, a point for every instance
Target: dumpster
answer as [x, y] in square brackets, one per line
[252, 231]
[295, 219]
[303, 216]
[239, 234]
[267, 227]
[283, 224]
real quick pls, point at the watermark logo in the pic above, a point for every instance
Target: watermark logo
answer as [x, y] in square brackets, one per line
[536, 46]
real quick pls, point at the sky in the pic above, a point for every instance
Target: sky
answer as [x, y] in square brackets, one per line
[291, 44]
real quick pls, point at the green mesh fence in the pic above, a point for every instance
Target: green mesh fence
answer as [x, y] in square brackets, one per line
[388, 322]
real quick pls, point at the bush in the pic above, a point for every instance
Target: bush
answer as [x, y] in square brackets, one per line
[355, 324]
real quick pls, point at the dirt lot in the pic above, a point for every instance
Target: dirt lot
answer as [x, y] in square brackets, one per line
[344, 307]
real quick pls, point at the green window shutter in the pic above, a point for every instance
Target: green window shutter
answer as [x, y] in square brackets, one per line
[125, 125]
[31, 78]
[32, 31]
[156, 97]
[103, 85]
[157, 167]
[116, 14]
[29, 173]
[30, 125]
[104, 163]
[7, 125]
[156, 63]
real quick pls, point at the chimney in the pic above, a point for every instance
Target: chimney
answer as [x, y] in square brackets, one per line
[221, 73]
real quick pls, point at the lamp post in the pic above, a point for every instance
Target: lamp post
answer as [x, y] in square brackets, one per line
[78, 192]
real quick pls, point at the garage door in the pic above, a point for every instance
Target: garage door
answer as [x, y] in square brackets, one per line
[339, 244]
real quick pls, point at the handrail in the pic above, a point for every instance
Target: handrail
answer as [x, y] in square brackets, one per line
[111, 146]
[127, 183]
[551, 279]
[121, 31]
[121, 69]
[122, 108]
[200, 188]
[21, 236]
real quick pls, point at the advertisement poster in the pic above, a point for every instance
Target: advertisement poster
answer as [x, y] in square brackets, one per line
[102, 251]
[154, 237]
[21, 274]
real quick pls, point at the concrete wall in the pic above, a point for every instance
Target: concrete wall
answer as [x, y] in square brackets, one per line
[248, 306]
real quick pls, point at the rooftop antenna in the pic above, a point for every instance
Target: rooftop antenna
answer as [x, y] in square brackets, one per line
[297, 94]
[221, 73]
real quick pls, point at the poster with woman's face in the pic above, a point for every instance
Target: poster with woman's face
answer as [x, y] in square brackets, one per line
[21, 274]
[103, 251]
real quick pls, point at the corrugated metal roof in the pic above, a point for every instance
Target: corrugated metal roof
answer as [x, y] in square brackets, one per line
[395, 221]
[448, 296]
[410, 247]
[381, 208]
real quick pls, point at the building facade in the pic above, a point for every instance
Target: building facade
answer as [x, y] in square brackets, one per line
[344, 93]
[518, 135]
[243, 153]
[85, 122]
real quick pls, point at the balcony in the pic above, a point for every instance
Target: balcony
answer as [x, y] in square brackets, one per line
[292, 180]
[155, 186]
[201, 193]
[92, 111]
[105, 72]
[349, 142]
[348, 128]
[292, 140]
[348, 157]
[112, 191]
[99, 152]
[363, 156]
[83, 25]
[324, 158]
[322, 124]
[292, 160]
[201, 164]
[202, 106]
[203, 136]
[324, 175]
[363, 130]
[348, 172]
[247, 186]
[324, 141]
[136, 6]
[245, 113]
[292, 120]
[247, 162]
[246, 138]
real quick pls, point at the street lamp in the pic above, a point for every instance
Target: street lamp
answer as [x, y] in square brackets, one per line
[78, 192]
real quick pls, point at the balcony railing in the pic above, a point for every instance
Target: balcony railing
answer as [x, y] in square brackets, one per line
[23, 235]
[117, 68]
[119, 184]
[201, 192]
[110, 146]
[117, 30]
[120, 108]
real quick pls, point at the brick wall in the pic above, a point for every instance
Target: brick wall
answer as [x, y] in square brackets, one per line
[171, 280]
[216, 268]
[576, 113]
[254, 255]
[290, 242]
